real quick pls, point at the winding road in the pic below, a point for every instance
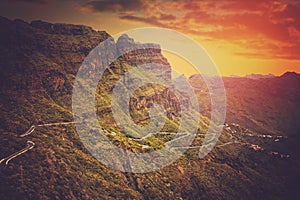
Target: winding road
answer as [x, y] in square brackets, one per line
[29, 145]
[29, 131]
[33, 127]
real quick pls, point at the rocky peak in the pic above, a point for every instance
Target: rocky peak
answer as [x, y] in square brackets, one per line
[136, 54]
[291, 75]
[125, 43]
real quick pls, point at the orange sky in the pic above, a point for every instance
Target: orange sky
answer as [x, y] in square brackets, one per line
[242, 37]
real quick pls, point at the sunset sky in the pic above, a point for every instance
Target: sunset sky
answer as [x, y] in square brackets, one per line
[242, 37]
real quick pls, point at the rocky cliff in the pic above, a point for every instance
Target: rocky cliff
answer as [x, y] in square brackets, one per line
[41, 57]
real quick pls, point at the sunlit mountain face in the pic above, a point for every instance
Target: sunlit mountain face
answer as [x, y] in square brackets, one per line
[149, 141]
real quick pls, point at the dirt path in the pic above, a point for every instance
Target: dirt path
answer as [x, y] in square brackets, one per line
[29, 145]
[33, 127]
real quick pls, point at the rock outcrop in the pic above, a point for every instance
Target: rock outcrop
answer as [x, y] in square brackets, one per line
[43, 58]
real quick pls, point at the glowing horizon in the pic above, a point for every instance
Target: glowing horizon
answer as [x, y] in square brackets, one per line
[241, 37]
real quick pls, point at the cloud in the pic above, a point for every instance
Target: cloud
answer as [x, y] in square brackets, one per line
[156, 20]
[148, 20]
[114, 5]
[167, 17]
[33, 1]
[269, 27]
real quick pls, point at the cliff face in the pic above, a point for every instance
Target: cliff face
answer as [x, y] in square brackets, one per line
[41, 57]
[145, 53]
[132, 55]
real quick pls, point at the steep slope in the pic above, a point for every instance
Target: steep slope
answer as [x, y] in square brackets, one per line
[266, 105]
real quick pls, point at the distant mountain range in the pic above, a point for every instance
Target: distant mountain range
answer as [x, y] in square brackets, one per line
[260, 76]
[254, 76]
[256, 157]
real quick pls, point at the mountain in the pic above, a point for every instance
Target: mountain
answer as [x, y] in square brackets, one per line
[258, 76]
[256, 157]
[264, 105]
[253, 76]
